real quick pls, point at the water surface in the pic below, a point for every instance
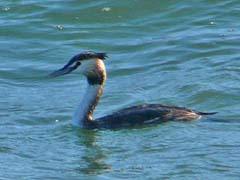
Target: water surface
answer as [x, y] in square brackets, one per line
[172, 52]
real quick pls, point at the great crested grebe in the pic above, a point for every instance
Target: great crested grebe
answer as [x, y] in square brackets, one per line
[91, 65]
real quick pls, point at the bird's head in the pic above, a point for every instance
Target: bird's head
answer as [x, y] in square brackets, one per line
[88, 63]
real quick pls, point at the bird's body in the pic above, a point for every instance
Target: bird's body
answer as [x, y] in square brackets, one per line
[92, 66]
[147, 114]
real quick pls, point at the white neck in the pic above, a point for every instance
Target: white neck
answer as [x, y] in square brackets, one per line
[84, 112]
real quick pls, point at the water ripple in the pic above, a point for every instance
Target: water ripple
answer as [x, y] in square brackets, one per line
[159, 52]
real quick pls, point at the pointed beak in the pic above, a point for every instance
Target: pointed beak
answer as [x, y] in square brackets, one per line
[65, 70]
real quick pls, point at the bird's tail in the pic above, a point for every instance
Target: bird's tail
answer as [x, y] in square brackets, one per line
[206, 113]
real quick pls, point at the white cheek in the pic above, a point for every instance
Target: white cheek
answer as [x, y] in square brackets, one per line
[87, 66]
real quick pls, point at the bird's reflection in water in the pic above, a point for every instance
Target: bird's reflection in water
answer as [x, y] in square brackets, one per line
[92, 156]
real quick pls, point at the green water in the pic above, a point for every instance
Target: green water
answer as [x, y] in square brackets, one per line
[172, 52]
